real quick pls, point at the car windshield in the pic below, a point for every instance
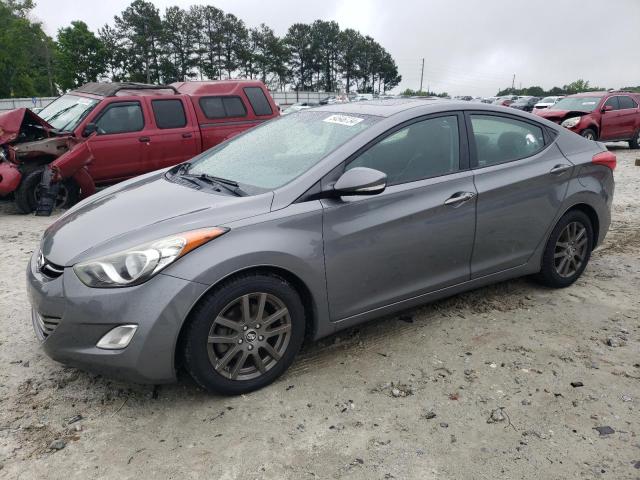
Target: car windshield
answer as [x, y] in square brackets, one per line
[581, 104]
[275, 153]
[67, 111]
[548, 100]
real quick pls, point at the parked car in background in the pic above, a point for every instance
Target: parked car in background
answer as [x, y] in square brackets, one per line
[223, 265]
[489, 100]
[525, 103]
[296, 107]
[103, 133]
[607, 116]
[546, 102]
[505, 100]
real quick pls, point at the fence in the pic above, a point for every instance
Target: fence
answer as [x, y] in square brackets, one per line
[283, 99]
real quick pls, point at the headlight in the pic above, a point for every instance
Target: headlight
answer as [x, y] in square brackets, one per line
[139, 264]
[571, 122]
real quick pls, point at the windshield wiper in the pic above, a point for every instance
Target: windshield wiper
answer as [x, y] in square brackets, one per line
[228, 185]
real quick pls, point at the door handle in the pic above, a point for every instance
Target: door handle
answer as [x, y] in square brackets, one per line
[559, 169]
[187, 135]
[459, 198]
[144, 139]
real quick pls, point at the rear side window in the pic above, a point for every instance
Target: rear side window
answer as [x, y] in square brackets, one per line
[222, 107]
[121, 118]
[627, 102]
[258, 101]
[502, 139]
[613, 102]
[169, 113]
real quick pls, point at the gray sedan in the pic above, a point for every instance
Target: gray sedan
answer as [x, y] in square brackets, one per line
[309, 224]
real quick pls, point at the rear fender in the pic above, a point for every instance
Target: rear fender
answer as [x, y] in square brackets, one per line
[10, 177]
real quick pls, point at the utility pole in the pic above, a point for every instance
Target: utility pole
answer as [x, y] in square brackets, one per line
[513, 82]
[421, 75]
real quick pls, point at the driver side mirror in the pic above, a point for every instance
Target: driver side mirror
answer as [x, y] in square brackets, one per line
[607, 108]
[361, 181]
[90, 129]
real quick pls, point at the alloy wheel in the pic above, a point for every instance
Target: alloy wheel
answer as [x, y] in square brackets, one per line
[571, 249]
[589, 136]
[249, 336]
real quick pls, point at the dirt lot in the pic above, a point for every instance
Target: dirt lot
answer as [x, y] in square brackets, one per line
[475, 387]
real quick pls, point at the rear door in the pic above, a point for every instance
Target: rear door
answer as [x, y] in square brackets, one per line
[628, 116]
[174, 139]
[521, 178]
[416, 236]
[120, 146]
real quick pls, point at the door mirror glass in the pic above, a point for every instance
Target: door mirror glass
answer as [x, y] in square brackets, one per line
[89, 129]
[361, 181]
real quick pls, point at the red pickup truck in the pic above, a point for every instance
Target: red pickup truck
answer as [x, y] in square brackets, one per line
[103, 133]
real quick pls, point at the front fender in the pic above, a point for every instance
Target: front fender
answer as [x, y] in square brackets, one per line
[10, 178]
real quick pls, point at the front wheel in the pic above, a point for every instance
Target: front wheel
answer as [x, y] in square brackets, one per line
[568, 250]
[244, 334]
[589, 134]
[27, 195]
[635, 141]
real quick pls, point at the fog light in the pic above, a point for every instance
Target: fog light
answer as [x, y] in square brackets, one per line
[118, 338]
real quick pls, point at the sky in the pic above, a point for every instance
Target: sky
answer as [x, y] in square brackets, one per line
[470, 47]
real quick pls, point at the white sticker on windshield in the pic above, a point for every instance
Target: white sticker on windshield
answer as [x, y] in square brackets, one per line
[347, 120]
[588, 103]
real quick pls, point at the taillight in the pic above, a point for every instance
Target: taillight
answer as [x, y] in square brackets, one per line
[607, 159]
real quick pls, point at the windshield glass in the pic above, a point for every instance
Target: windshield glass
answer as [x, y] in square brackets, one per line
[581, 104]
[275, 153]
[67, 111]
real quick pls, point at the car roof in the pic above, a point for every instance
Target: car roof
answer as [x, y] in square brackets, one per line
[213, 87]
[383, 108]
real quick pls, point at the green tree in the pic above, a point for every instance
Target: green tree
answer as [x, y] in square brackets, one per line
[80, 57]
[298, 41]
[179, 41]
[234, 38]
[140, 27]
[114, 54]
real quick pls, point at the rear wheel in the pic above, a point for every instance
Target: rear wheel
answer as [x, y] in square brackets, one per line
[568, 250]
[635, 141]
[244, 334]
[589, 134]
[28, 193]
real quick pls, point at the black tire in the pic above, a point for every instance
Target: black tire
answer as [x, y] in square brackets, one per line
[199, 353]
[26, 196]
[589, 133]
[550, 271]
[634, 143]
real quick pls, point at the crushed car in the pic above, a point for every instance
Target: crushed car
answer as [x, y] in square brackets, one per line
[103, 133]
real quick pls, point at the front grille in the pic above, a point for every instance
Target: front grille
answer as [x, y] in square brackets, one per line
[45, 325]
[49, 269]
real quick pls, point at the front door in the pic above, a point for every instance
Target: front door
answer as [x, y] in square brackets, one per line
[416, 236]
[521, 178]
[121, 143]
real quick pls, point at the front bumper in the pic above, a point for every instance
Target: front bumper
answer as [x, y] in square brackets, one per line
[70, 318]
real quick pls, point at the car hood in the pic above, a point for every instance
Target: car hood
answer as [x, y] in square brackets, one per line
[11, 122]
[138, 211]
[551, 114]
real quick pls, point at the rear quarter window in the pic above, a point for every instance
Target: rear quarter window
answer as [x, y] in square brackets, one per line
[258, 101]
[169, 113]
[222, 107]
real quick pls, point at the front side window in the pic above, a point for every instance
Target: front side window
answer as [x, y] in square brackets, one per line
[425, 149]
[269, 156]
[613, 103]
[626, 102]
[222, 107]
[502, 139]
[121, 118]
[169, 113]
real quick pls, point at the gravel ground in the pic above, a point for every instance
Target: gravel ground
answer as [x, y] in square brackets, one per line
[479, 386]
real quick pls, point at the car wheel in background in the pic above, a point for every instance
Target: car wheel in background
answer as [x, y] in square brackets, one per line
[589, 134]
[568, 250]
[635, 140]
[28, 193]
[244, 334]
